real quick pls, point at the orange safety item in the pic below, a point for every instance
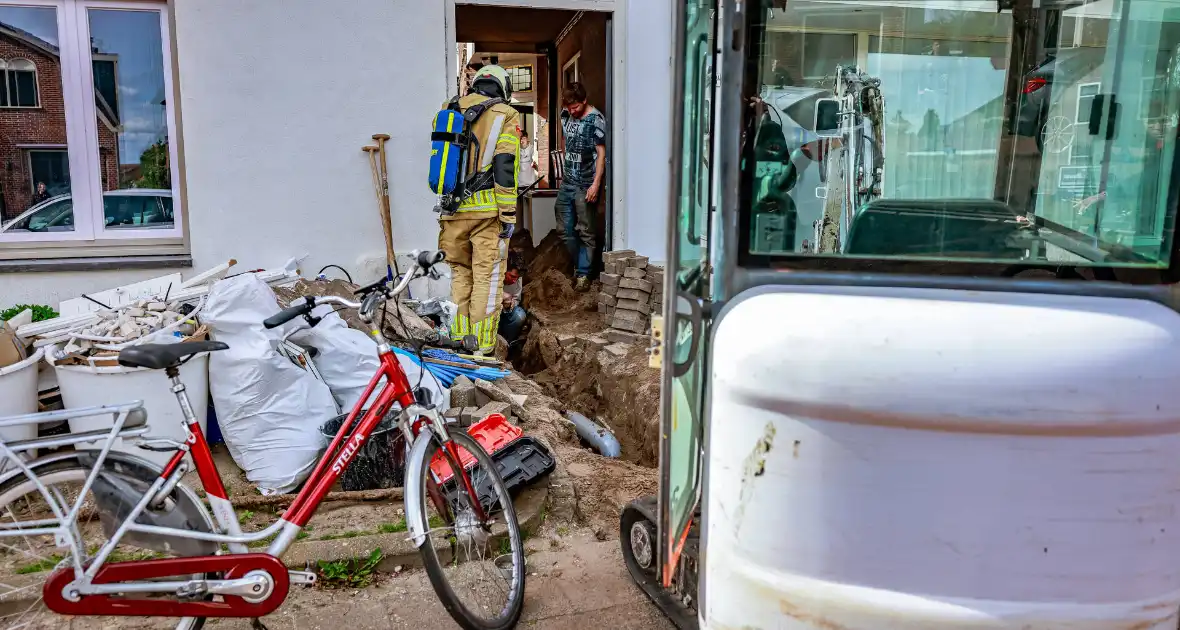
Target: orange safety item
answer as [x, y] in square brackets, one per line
[493, 433]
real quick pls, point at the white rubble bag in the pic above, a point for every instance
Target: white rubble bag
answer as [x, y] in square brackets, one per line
[347, 360]
[269, 409]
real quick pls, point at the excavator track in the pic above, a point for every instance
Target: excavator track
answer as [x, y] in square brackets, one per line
[639, 538]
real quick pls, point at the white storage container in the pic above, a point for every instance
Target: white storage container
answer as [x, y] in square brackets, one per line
[18, 396]
[85, 386]
[904, 459]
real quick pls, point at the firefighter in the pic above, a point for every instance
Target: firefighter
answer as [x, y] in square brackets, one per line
[475, 237]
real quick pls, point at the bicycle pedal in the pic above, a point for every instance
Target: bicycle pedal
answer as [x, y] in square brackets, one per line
[301, 578]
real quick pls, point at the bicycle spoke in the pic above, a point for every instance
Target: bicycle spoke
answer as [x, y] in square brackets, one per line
[484, 576]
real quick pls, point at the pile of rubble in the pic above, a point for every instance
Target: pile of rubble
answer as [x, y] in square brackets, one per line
[632, 290]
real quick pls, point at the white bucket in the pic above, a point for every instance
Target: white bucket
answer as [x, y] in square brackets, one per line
[85, 386]
[18, 396]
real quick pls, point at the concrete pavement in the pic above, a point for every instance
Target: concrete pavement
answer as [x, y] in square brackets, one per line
[574, 581]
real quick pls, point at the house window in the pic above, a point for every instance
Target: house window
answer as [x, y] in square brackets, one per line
[19, 83]
[1081, 150]
[50, 169]
[97, 161]
[522, 78]
[569, 72]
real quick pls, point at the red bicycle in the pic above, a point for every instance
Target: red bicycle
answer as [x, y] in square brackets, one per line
[116, 535]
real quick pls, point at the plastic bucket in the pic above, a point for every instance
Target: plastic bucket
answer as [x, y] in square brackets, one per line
[379, 463]
[18, 396]
[86, 386]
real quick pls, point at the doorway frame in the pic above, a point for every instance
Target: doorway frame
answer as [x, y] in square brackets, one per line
[617, 176]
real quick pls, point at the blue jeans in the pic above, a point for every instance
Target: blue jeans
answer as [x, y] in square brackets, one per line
[575, 217]
[511, 322]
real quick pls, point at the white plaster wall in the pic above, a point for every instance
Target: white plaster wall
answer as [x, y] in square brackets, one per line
[277, 100]
[648, 57]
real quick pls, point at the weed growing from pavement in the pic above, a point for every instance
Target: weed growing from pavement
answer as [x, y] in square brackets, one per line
[393, 528]
[354, 573]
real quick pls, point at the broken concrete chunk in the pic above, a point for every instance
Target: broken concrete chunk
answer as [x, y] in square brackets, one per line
[609, 289]
[634, 273]
[637, 262]
[135, 312]
[157, 306]
[609, 279]
[606, 298]
[462, 392]
[639, 306]
[618, 255]
[618, 349]
[566, 339]
[628, 325]
[502, 408]
[623, 336]
[597, 342]
[469, 416]
[633, 283]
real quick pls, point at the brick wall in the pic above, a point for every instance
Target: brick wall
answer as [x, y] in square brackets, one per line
[589, 38]
[42, 125]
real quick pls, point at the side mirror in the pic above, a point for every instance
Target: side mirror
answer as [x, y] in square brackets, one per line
[827, 118]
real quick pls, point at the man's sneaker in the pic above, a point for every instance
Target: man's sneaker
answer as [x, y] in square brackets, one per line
[582, 285]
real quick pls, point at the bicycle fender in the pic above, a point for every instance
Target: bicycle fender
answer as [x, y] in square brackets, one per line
[415, 463]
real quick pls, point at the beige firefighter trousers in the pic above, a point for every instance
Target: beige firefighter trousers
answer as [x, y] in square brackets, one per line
[478, 258]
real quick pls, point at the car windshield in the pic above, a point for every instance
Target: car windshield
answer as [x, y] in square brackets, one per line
[53, 217]
[1042, 133]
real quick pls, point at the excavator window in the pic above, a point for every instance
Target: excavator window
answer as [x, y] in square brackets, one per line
[1044, 132]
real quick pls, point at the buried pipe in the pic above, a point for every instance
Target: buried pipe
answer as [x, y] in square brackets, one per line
[599, 437]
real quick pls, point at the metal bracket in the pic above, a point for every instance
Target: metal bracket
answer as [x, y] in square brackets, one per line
[655, 357]
[302, 578]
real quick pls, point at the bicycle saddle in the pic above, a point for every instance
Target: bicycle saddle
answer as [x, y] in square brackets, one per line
[158, 356]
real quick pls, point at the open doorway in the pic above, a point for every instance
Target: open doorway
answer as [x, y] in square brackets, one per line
[544, 51]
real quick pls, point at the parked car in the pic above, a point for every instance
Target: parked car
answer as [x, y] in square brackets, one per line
[131, 208]
[1045, 118]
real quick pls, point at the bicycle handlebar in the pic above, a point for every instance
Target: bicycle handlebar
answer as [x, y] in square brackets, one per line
[425, 259]
[291, 312]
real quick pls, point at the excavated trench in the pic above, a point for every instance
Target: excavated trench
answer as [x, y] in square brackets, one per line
[563, 352]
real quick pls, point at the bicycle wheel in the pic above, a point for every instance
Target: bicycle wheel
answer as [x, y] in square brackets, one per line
[27, 561]
[480, 579]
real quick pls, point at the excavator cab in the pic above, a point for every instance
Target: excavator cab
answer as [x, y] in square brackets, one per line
[919, 363]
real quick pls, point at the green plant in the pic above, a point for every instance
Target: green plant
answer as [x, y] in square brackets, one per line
[393, 528]
[354, 573]
[39, 566]
[350, 534]
[245, 515]
[40, 312]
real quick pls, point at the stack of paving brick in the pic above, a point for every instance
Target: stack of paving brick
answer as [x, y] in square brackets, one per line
[631, 291]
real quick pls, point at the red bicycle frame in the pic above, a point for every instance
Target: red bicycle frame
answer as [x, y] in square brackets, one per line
[340, 452]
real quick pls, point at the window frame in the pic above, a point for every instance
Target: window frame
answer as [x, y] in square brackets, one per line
[525, 67]
[4, 72]
[90, 237]
[573, 62]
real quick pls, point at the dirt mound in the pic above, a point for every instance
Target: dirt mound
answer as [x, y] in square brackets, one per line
[551, 290]
[549, 254]
[622, 393]
[414, 327]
